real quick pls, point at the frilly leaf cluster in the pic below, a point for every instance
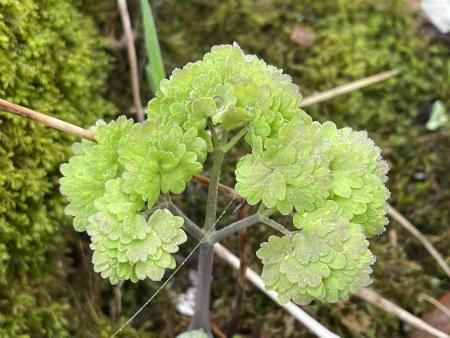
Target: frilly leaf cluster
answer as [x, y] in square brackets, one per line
[307, 163]
[232, 89]
[333, 180]
[328, 259]
[107, 200]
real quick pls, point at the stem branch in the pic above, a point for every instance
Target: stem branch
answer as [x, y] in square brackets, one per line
[200, 320]
[275, 225]
[234, 227]
[235, 139]
[211, 203]
[189, 225]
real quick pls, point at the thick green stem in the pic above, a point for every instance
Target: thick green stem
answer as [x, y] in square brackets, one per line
[200, 320]
[211, 204]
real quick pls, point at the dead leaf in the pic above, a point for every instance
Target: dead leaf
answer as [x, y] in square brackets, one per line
[304, 36]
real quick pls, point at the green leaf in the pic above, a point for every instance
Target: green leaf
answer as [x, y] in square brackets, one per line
[289, 170]
[159, 156]
[438, 117]
[86, 174]
[232, 88]
[132, 248]
[258, 182]
[327, 259]
[155, 68]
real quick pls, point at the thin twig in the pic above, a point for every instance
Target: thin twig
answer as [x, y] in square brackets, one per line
[230, 192]
[47, 120]
[217, 331]
[347, 88]
[422, 239]
[379, 301]
[128, 32]
[445, 310]
[120, 43]
[300, 315]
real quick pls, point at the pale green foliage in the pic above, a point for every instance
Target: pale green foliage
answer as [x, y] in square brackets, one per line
[92, 166]
[159, 157]
[306, 163]
[333, 179]
[288, 170]
[126, 246]
[231, 88]
[107, 204]
[193, 334]
[327, 260]
[358, 175]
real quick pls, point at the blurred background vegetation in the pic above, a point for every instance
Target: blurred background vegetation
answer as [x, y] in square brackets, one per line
[67, 58]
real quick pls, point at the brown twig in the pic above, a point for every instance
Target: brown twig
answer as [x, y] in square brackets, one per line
[217, 331]
[47, 120]
[347, 88]
[421, 238]
[227, 191]
[437, 304]
[120, 43]
[374, 298]
[128, 32]
[233, 323]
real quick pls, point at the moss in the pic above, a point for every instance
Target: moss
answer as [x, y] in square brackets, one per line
[50, 60]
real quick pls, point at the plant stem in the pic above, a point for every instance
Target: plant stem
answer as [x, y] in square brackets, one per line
[275, 225]
[189, 225]
[235, 139]
[211, 203]
[214, 137]
[149, 212]
[234, 227]
[200, 320]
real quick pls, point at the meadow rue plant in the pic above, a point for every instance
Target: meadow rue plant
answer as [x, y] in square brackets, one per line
[330, 179]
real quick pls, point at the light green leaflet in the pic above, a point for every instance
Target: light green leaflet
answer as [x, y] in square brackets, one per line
[327, 260]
